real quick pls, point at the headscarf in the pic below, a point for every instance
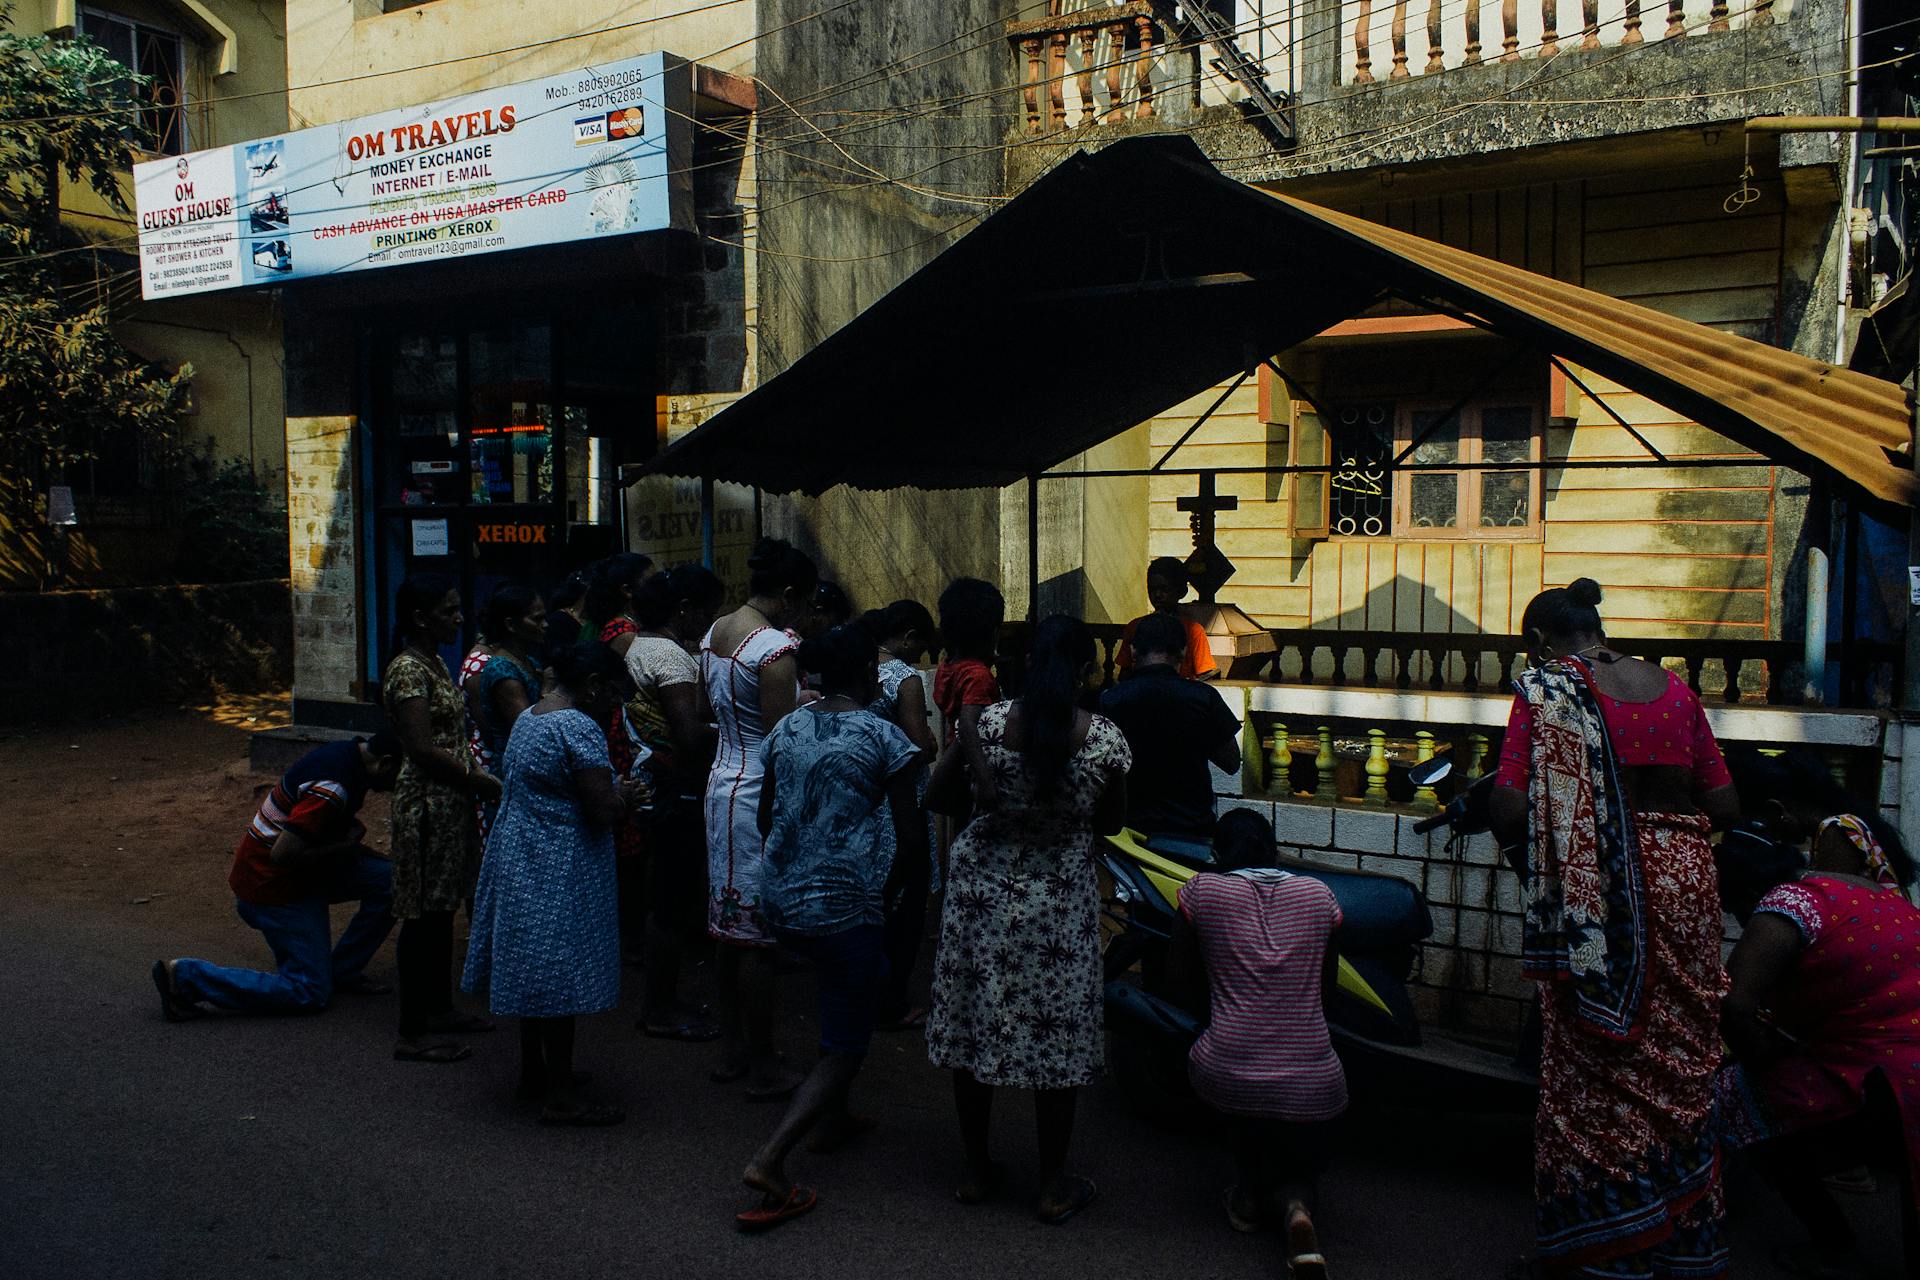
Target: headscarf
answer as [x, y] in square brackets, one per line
[1586, 908]
[1861, 835]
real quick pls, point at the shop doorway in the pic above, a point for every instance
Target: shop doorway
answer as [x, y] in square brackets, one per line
[496, 444]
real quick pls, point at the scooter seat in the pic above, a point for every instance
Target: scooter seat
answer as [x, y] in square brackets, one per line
[1379, 911]
[1191, 851]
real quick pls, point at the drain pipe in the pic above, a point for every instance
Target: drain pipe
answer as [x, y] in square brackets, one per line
[1819, 571]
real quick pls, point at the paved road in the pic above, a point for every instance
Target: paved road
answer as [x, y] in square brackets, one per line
[297, 1148]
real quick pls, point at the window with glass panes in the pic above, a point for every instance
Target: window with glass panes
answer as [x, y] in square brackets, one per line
[160, 56]
[1479, 500]
[1451, 484]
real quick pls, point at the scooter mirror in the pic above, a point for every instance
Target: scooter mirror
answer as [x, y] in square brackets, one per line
[1431, 771]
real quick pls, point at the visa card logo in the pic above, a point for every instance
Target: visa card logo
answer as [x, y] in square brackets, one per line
[589, 131]
[628, 122]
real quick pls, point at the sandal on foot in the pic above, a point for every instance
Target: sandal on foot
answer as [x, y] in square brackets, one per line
[454, 1023]
[595, 1117]
[799, 1200]
[526, 1091]
[1304, 1259]
[778, 1089]
[686, 1030]
[982, 1189]
[440, 1052]
[849, 1130]
[1240, 1221]
[1083, 1193]
[172, 1007]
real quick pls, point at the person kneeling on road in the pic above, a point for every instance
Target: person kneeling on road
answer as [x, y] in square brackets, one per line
[1255, 946]
[301, 854]
[1175, 727]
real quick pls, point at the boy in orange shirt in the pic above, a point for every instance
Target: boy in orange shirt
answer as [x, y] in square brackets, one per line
[1167, 584]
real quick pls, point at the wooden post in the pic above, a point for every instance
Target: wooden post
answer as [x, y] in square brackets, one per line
[1549, 28]
[1088, 39]
[1031, 88]
[1362, 44]
[1436, 57]
[1510, 29]
[1116, 72]
[1399, 71]
[1057, 79]
[1377, 767]
[1590, 23]
[1143, 75]
[1472, 58]
[1323, 763]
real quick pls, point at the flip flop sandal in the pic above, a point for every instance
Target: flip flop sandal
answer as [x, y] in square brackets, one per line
[521, 1093]
[800, 1200]
[440, 1053]
[172, 1007]
[1307, 1263]
[691, 1031]
[983, 1189]
[584, 1118]
[1307, 1266]
[1083, 1193]
[1237, 1220]
[460, 1024]
[779, 1091]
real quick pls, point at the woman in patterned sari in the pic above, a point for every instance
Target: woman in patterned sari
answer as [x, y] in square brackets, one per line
[1612, 779]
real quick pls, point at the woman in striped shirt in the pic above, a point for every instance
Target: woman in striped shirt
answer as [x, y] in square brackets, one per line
[1263, 936]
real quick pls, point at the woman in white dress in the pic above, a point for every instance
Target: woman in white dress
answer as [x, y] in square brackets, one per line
[752, 680]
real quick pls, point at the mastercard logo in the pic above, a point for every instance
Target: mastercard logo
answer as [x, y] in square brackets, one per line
[628, 122]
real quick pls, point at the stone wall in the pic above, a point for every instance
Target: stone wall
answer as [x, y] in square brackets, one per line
[81, 653]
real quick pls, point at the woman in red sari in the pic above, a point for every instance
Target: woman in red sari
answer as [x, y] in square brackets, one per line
[1824, 1018]
[1612, 779]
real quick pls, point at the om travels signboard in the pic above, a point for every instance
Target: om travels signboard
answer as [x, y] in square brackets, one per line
[596, 152]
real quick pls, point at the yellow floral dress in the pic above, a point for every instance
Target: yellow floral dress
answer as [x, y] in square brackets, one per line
[436, 843]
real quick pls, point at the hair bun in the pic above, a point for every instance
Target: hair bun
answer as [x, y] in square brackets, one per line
[766, 553]
[1584, 591]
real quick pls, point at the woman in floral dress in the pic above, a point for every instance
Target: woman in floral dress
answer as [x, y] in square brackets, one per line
[1016, 983]
[436, 849]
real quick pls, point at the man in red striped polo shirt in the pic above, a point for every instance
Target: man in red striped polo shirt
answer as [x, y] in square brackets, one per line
[301, 853]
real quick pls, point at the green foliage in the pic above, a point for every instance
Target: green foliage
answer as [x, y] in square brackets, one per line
[67, 386]
[234, 520]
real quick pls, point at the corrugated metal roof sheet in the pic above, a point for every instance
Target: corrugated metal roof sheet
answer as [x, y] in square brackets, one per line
[1126, 280]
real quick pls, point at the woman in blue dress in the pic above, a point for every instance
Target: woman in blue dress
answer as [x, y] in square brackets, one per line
[546, 925]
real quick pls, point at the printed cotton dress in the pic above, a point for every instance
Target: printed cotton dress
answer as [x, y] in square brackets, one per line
[1016, 985]
[546, 922]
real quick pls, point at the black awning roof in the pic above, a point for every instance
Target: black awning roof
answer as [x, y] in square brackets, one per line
[1129, 279]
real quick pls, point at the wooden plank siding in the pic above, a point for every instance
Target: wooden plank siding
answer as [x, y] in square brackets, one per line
[1680, 551]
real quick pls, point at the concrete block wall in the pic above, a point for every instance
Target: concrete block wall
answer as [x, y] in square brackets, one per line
[1468, 977]
[322, 563]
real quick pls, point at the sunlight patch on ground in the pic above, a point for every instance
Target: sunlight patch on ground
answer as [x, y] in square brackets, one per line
[250, 711]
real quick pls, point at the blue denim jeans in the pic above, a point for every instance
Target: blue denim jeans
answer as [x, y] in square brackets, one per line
[300, 935]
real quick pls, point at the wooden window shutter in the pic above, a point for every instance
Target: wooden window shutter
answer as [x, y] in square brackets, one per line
[1308, 447]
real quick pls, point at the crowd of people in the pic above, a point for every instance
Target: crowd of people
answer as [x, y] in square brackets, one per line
[605, 743]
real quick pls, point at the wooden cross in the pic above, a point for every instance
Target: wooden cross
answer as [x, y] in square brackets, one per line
[1207, 567]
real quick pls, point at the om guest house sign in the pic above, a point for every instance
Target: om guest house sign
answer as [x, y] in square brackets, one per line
[598, 152]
